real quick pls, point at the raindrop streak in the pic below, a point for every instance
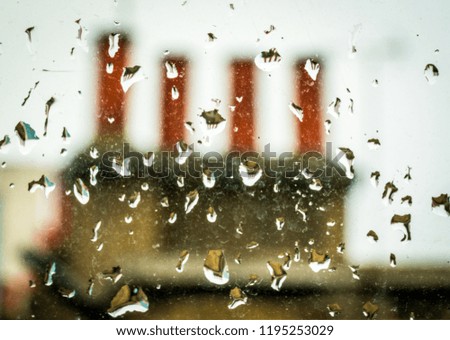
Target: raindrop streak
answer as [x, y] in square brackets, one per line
[440, 205]
[318, 262]
[48, 105]
[370, 310]
[44, 184]
[113, 44]
[250, 172]
[268, 60]
[81, 191]
[191, 201]
[431, 73]
[127, 300]
[296, 110]
[405, 220]
[211, 216]
[373, 143]
[130, 76]
[183, 258]
[238, 298]
[27, 137]
[175, 93]
[333, 108]
[375, 178]
[312, 68]
[277, 273]
[171, 70]
[93, 171]
[393, 261]
[215, 267]
[372, 236]
[95, 231]
[5, 144]
[347, 162]
[334, 309]
[134, 200]
[29, 93]
[389, 190]
[51, 270]
[81, 36]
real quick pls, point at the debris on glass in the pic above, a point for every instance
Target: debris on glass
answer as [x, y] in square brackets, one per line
[238, 298]
[431, 73]
[29, 39]
[407, 176]
[370, 310]
[48, 105]
[211, 37]
[183, 258]
[318, 261]
[31, 284]
[81, 191]
[277, 273]
[238, 258]
[29, 93]
[351, 106]
[312, 68]
[405, 220]
[27, 137]
[296, 110]
[268, 60]
[165, 202]
[130, 76]
[44, 184]
[375, 83]
[189, 126]
[128, 300]
[215, 267]
[440, 205]
[148, 159]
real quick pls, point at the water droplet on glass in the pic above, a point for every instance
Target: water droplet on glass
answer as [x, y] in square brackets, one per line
[347, 162]
[95, 231]
[406, 199]
[183, 258]
[316, 184]
[81, 191]
[175, 93]
[81, 36]
[127, 300]
[370, 310]
[296, 110]
[166, 52]
[189, 126]
[239, 99]
[240, 229]
[63, 152]
[333, 108]
[31, 284]
[279, 222]
[372, 236]
[268, 60]
[191, 201]
[148, 159]
[211, 216]
[238, 298]
[113, 275]
[183, 152]
[48, 105]
[90, 289]
[440, 205]
[93, 171]
[5, 144]
[318, 261]
[212, 123]
[253, 279]
[327, 125]
[109, 68]
[113, 44]
[134, 200]
[252, 245]
[93, 152]
[354, 269]
[130, 76]
[29, 39]
[331, 223]
[352, 39]
[238, 259]
[145, 186]
[373, 143]
[350, 108]
[334, 309]
[165, 202]
[405, 220]
[340, 248]
[44, 184]
[11, 185]
[208, 178]
[375, 178]
[65, 135]
[122, 198]
[111, 120]
[128, 219]
[215, 267]
[271, 29]
[51, 270]
[67, 293]
[312, 68]
[171, 70]
[287, 260]
[277, 273]
[392, 260]
[3, 165]
[375, 83]
[180, 181]
[121, 166]
[431, 73]
[296, 252]
[27, 137]
[250, 172]
[68, 192]
[172, 217]
[300, 210]
[388, 193]
[211, 37]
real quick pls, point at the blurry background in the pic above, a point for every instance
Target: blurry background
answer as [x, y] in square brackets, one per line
[372, 52]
